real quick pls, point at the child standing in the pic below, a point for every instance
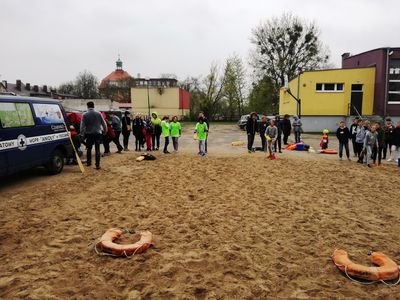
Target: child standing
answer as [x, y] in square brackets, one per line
[165, 129]
[176, 130]
[271, 133]
[148, 133]
[201, 129]
[325, 139]
[377, 151]
[370, 141]
[343, 135]
[360, 135]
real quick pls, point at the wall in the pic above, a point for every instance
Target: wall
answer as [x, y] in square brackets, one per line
[80, 104]
[166, 103]
[328, 103]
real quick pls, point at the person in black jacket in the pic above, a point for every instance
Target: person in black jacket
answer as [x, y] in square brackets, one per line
[126, 129]
[286, 128]
[353, 133]
[343, 135]
[396, 143]
[251, 128]
[262, 127]
[137, 130]
[389, 136]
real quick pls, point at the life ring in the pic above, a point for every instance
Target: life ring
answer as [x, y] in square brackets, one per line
[328, 151]
[238, 143]
[387, 270]
[107, 243]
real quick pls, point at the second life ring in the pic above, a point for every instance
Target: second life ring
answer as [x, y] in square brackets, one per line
[387, 269]
[107, 243]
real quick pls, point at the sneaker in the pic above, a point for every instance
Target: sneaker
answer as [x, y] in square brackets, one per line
[390, 159]
[106, 154]
[349, 159]
[166, 152]
[369, 166]
[249, 151]
[126, 149]
[203, 154]
[280, 151]
[119, 151]
[98, 167]
[340, 158]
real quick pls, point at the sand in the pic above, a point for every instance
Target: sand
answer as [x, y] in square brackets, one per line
[230, 225]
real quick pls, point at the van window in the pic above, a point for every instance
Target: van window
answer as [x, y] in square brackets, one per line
[15, 115]
[48, 113]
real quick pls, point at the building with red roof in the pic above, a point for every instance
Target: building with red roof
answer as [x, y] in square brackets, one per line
[116, 85]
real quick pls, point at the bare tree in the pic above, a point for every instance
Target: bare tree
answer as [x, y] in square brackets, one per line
[286, 46]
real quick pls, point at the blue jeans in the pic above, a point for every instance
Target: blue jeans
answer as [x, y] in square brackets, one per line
[346, 146]
[93, 139]
[297, 135]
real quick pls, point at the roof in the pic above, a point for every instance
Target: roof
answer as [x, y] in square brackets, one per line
[116, 75]
[372, 50]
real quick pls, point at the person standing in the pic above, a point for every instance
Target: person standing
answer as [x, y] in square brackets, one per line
[271, 135]
[370, 141]
[343, 135]
[176, 131]
[108, 138]
[360, 135]
[148, 132]
[126, 129]
[286, 129]
[353, 133]
[389, 136]
[201, 131]
[251, 129]
[156, 121]
[263, 127]
[117, 127]
[137, 130]
[297, 129]
[395, 143]
[278, 142]
[205, 120]
[166, 132]
[377, 151]
[92, 127]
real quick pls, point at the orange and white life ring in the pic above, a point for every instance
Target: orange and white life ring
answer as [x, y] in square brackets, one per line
[387, 269]
[107, 243]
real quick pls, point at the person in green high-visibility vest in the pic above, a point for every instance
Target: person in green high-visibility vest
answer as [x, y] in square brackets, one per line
[201, 130]
[176, 130]
[166, 132]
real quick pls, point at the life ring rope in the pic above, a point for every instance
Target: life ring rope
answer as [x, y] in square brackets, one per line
[367, 282]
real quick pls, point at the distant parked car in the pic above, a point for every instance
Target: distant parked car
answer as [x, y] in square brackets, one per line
[242, 121]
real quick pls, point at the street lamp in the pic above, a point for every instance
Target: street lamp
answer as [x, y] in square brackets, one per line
[148, 95]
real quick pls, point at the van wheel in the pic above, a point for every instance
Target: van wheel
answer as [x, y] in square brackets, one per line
[56, 163]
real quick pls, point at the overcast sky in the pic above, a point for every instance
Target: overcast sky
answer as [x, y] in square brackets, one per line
[51, 41]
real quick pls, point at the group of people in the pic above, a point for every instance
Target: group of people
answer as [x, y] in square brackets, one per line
[271, 132]
[371, 142]
[96, 129]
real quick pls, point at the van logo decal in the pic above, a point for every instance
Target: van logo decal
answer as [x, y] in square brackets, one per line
[22, 143]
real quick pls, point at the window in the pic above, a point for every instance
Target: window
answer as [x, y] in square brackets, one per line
[48, 113]
[356, 87]
[394, 82]
[15, 115]
[329, 87]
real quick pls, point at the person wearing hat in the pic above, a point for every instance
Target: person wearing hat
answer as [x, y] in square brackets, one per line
[126, 129]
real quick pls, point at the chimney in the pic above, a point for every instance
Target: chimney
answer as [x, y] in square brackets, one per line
[35, 88]
[19, 84]
[44, 88]
[345, 55]
[28, 86]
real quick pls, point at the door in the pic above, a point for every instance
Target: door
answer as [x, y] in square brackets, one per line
[356, 99]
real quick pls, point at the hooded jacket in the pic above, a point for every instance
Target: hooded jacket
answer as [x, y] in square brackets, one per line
[156, 121]
[251, 126]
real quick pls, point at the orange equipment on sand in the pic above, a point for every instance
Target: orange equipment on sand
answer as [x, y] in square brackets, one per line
[387, 270]
[107, 243]
[328, 151]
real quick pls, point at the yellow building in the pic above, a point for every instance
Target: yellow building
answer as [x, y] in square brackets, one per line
[336, 92]
[166, 100]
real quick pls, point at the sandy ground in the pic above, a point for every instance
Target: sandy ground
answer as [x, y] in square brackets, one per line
[230, 225]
